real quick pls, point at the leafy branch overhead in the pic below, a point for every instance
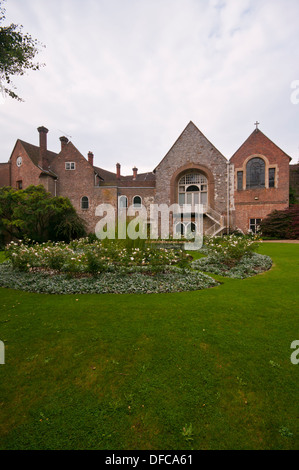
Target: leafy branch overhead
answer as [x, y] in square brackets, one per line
[17, 53]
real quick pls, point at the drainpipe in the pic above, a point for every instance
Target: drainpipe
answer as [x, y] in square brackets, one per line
[227, 204]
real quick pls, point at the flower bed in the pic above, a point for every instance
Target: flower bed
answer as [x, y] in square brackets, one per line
[248, 266]
[83, 266]
[99, 267]
[171, 280]
[82, 256]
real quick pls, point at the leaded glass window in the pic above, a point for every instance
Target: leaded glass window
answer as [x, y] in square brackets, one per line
[239, 180]
[255, 173]
[271, 177]
[193, 189]
[84, 202]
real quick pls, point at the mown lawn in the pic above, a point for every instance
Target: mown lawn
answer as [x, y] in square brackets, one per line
[198, 370]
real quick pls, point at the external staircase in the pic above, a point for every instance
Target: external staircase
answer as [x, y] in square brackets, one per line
[219, 223]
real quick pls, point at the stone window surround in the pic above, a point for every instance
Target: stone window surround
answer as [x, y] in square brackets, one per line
[183, 170]
[267, 167]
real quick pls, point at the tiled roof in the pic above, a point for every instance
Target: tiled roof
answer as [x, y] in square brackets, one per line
[142, 179]
[33, 152]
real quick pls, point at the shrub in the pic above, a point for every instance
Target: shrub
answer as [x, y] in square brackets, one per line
[282, 224]
[231, 248]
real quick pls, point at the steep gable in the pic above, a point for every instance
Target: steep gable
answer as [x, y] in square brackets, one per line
[194, 146]
[259, 143]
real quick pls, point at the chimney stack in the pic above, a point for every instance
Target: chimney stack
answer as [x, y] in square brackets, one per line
[64, 141]
[118, 171]
[90, 158]
[135, 173]
[43, 163]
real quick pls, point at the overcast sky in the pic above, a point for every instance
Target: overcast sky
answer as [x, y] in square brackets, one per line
[123, 78]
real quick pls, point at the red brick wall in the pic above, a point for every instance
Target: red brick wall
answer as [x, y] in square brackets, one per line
[4, 174]
[258, 203]
[28, 173]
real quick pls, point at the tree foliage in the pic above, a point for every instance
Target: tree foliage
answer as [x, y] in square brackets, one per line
[282, 224]
[35, 214]
[17, 53]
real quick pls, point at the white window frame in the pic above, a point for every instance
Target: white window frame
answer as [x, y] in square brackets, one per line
[120, 204]
[70, 165]
[255, 224]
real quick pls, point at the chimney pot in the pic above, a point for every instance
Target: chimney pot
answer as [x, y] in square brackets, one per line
[43, 163]
[90, 158]
[64, 141]
[118, 170]
[135, 172]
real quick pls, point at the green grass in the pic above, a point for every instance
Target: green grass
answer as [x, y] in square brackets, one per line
[207, 369]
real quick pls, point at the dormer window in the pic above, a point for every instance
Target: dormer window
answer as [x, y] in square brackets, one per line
[70, 165]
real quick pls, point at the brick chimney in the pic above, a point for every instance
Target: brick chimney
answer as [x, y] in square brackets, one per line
[43, 162]
[135, 173]
[64, 141]
[90, 158]
[118, 171]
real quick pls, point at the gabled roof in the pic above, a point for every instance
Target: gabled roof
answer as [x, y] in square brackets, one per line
[192, 126]
[33, 153]
[258, 134]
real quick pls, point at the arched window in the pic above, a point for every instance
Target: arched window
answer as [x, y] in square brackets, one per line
[255, 173]
[84, 202]
[122, 202]
[191, 228]
[193, 189]
[137, 201]
[180, 229]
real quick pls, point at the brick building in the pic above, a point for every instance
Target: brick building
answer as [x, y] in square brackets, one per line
[235, 193]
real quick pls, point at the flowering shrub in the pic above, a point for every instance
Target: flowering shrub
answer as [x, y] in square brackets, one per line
[230, 249]
[81, 256]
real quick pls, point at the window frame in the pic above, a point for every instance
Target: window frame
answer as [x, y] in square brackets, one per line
[273, 180]
[240, 174]
[138, 206]
[254, 224]
[193, 180]
[250, 183]
[120, 206]
[70, 166]
[82, 202]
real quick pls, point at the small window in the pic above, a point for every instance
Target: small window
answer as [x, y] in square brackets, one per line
[180, 229]
[84, 202]
[122, 202]
[20, 184]
[239, 180]
[254, 225]
[271, 177]
[70, 165]
[137, 201]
